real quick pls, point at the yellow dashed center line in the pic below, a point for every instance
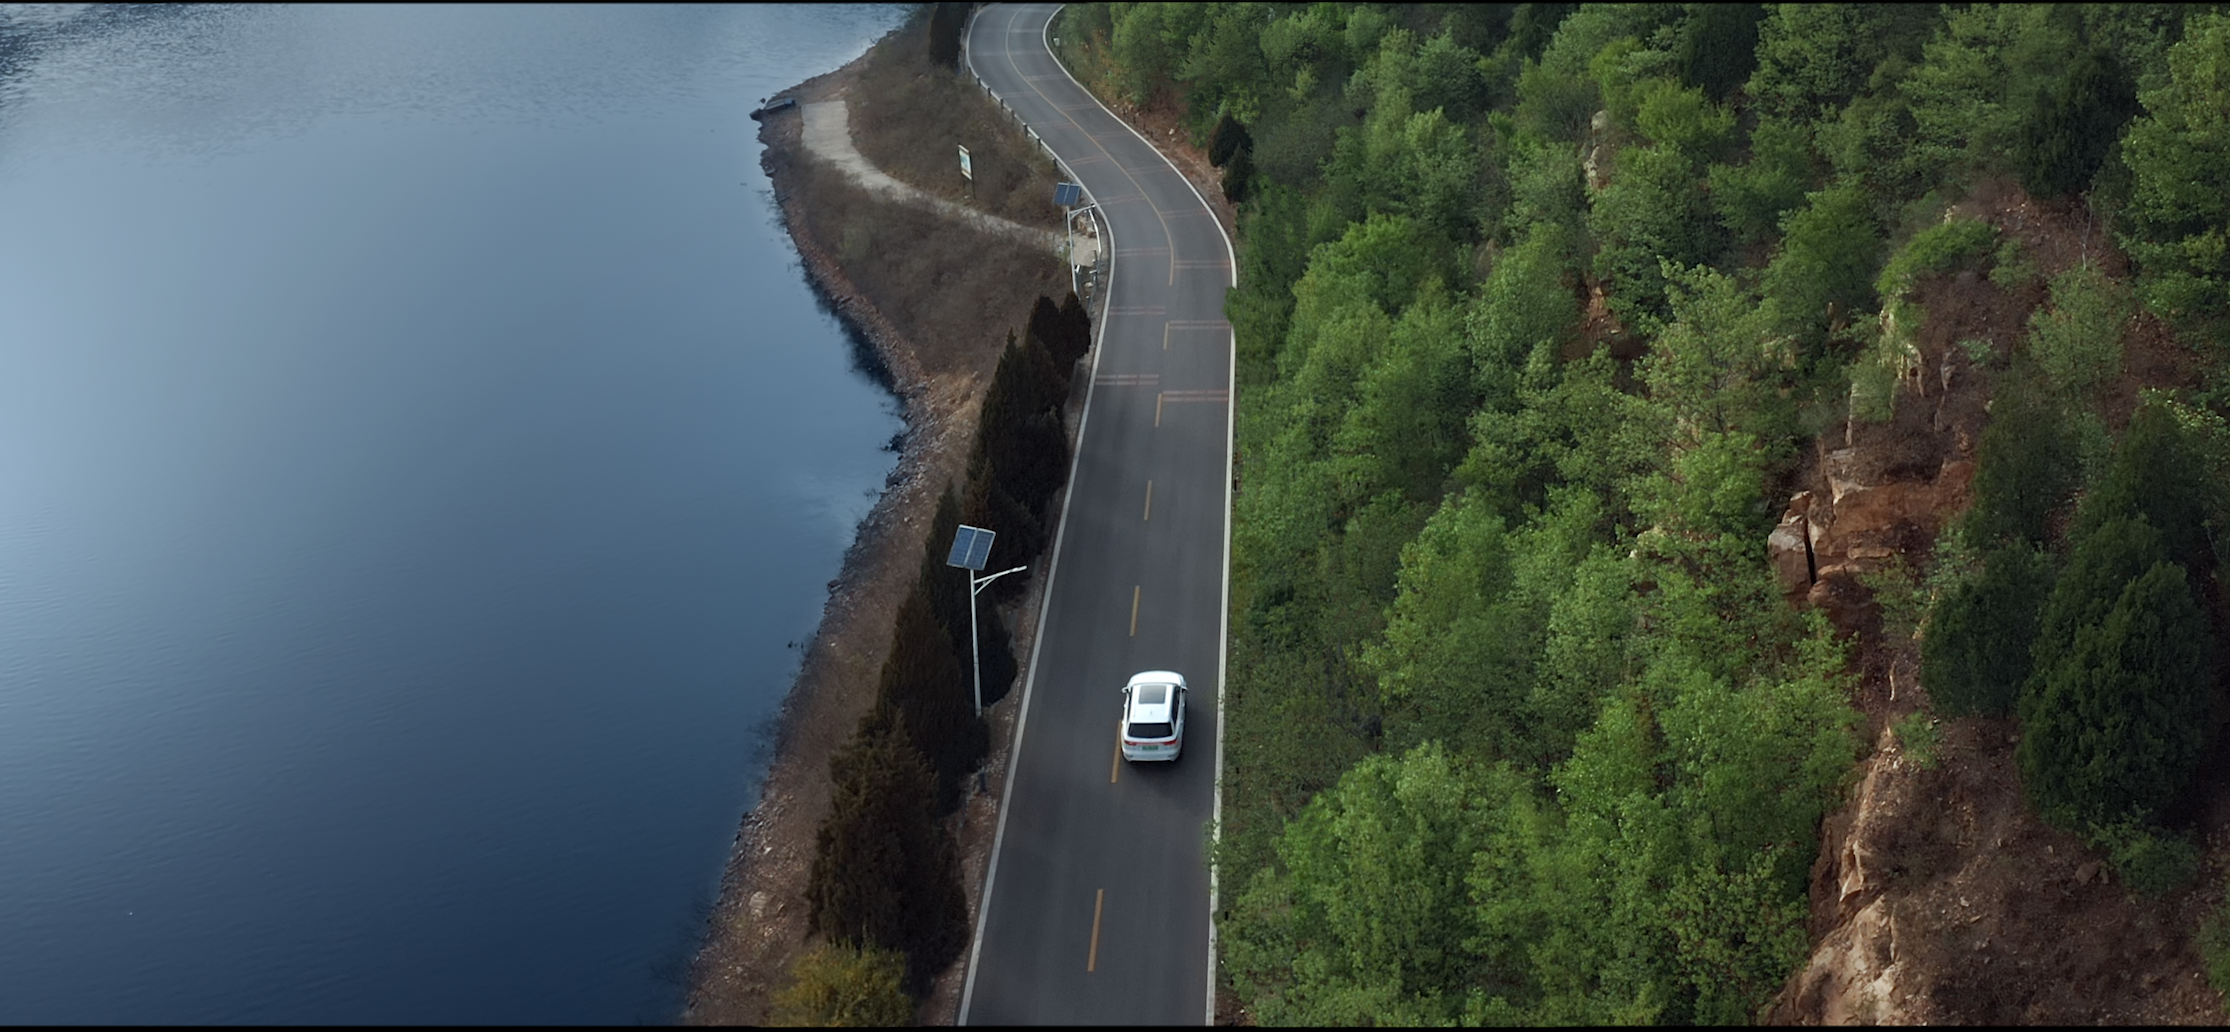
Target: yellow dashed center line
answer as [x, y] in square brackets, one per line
[1157, 408]
[1149, 502]
[1134, 610]
[1092, 959]
[1115, 766]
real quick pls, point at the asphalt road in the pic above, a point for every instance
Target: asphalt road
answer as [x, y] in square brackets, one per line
[1097, 905]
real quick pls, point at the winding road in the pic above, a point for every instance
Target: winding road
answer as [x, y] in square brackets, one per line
[1096, 903]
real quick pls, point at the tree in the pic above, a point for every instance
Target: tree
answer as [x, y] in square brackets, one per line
[1825, 271]
[2114, 727]
[835, 985]
[1227, 139]
[928, 689]
[2179, 151]
[2077, 343]
[1454, 663]
[1236, 176]
[2073, 130]
[1813, 58]
[1976, 653]
[885, 873]
[1653, 210]
[947, 22]
[1719, 46]
[1078, 338]
[2103, 563]
[2159, 473]
[1752, 198]
[2026, 468]
[1367, 917]
[1020, 434]
[1056, 329]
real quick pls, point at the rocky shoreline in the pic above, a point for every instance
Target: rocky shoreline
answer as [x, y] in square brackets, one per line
[758, 925]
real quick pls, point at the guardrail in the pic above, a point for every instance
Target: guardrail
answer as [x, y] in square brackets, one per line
[1096, 274]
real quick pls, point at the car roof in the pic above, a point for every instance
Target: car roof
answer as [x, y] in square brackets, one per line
[1160, 712]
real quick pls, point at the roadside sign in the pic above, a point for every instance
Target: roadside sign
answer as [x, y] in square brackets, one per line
[1067, 194]
[966, 171]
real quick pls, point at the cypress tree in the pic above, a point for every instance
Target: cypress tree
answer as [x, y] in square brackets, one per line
[1048, 329]
[1021, 532]
[2114, 727]
[2074, 127]
[1078, 340]
[1236, 175]
[946, 586]
[2103, 563]
[1019, 434]
[2025, 469]
[2157, 473]
[929, 691]
[1975, 656]
[1227, 140]
[885, 873]
[946, 24]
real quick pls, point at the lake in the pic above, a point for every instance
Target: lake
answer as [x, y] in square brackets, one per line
[421, 463]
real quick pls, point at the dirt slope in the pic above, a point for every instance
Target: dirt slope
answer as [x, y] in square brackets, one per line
[1937, 896]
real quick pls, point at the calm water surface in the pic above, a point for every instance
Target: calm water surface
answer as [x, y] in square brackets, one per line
[418, 447]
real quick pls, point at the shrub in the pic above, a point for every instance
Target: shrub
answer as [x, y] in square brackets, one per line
[2078, 341]
[1940, 248]
[1916, 735]
[2214, 949]
[1975, 656]
[2149, 861]
[836, 985]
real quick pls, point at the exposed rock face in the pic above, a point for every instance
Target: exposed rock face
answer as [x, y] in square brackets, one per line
[1821, 544]
[1854, 974]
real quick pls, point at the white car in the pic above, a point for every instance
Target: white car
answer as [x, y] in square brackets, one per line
[1153, 726]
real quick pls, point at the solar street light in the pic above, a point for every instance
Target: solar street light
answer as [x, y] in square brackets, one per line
[971, 546]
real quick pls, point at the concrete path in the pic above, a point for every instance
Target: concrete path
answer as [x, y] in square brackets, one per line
[828, 134]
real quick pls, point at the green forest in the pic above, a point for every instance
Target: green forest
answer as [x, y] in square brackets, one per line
[1540, 309]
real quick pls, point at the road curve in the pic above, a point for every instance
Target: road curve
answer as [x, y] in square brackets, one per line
[1096, 903]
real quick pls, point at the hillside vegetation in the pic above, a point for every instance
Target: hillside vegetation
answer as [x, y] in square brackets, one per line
[1543, 310]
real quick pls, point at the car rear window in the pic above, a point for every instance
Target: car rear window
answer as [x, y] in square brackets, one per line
[1147, 730]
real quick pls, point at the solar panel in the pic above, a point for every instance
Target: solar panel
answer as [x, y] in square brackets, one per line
[1067, 194]
[970, 547]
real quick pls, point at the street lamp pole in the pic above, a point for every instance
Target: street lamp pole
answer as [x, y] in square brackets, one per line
[975, 641]
[970, 547]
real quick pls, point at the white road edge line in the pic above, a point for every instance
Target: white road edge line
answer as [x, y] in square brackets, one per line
[1037, 645]
[1231, 409]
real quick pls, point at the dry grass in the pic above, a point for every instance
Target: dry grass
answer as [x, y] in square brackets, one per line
[908, 117]
[951, 289]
